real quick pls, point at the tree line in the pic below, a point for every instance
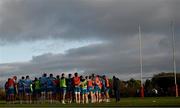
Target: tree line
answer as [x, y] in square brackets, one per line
[161, 84]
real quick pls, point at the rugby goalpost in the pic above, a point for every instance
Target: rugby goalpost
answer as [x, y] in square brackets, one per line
[141, 61]
[174, 60]
[174, 57]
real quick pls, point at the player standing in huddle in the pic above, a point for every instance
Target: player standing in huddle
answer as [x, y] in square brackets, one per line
[20, 86]
[63, 87]
[15, 87]
[94, 89]
[50, 88]
[28, 89]
[83, 86]
[91, 88]
[103, 83]
[43, 82]
[87, 93]
[100, 89]
[97, 88]
[37, 89]
[57, 87]
[76, 81]
[107, 86]
[11, 90]
[69, 88]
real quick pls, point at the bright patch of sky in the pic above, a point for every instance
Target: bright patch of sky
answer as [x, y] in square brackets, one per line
[24, 51]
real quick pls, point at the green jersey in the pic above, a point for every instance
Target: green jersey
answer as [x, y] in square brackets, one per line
[84, 84]
[37, 85]
[63, 82]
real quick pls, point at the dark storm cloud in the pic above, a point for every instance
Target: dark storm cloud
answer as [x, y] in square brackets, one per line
[23, 20]
[104, 58]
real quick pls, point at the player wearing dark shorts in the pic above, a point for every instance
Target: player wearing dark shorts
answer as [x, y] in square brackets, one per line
[57, 88]
[11, 90]
[50, 87]
[69, 88]
[15, 87]
[37, 89]
[28, 89]
[103, 88]
[43, 82]
[20, 86]
[106, 88]
[63, 87]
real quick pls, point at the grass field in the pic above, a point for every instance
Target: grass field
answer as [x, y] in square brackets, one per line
[130, 102]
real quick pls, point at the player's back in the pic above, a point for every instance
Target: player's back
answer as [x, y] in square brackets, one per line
[43, 81]
[21, 83]
[28, 83]
[37, 84]
[76, 80]
[50, 81]
[11, 83]
[69, 82]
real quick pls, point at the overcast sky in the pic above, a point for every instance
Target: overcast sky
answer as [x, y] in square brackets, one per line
[90, 36]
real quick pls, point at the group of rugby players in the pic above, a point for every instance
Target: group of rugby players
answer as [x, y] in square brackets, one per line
[78, 89]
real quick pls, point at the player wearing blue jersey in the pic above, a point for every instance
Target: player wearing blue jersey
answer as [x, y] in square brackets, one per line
[28, 89]
[21, 84]
[43, 82]
[50, 87]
